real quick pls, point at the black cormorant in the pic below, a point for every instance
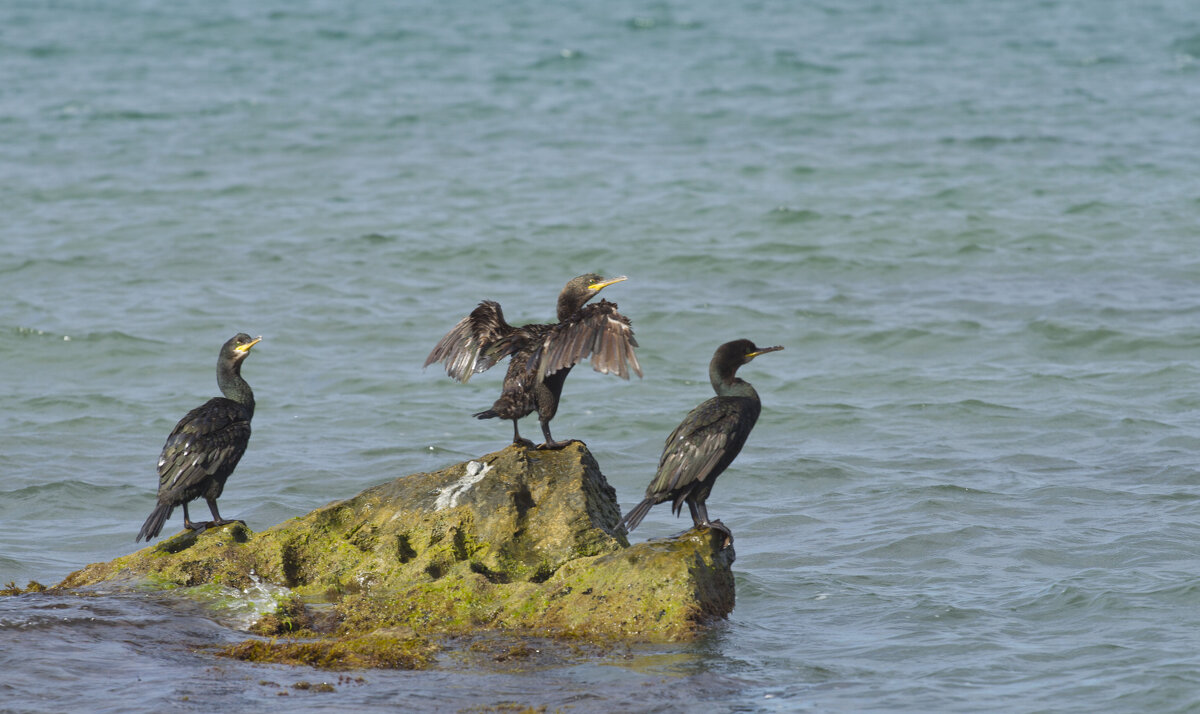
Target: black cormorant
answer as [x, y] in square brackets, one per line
[541, 356]
[206, 445]
[707, 441]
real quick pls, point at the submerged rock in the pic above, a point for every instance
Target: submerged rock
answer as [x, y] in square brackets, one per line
[519, 540]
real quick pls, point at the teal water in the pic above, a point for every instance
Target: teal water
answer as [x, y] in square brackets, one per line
[973, 226]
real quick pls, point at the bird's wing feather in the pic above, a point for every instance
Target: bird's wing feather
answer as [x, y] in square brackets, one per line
[597, 332]
[208, 440]
[475, 343]
[707, 435]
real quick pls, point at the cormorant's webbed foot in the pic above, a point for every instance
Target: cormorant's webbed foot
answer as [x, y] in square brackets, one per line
[551, 444]
[205, 525]
[217, 521]
[188, 524]
[717, 525]
[519, 440]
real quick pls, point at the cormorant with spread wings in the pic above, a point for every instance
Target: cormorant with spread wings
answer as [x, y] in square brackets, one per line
[540, 356]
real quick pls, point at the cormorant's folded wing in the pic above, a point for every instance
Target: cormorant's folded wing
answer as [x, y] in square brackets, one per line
[695, 448]
[597, 332]
[465, 348]
[208, 439]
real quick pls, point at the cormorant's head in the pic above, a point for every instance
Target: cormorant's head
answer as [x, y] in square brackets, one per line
[732, 355]
[579, 290]
[238, 347]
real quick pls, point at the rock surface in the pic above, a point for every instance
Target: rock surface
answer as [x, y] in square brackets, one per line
[519, 540]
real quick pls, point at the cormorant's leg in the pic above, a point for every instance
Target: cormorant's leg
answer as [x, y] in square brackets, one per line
[700, 518]
[550, 442]
[188, 524]
[517, 439]
[217, 520]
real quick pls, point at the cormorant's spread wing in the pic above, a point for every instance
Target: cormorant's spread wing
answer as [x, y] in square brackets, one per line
[472, 345]
[597, 332]
[210, 439]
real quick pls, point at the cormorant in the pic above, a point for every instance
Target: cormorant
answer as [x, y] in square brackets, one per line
[706, 442]
[541, 355]
[206, 445]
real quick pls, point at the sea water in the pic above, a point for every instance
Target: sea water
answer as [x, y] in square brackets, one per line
[973, 226]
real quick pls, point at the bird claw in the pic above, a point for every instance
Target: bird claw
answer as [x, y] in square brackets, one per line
[717, 525]
[527, 443]
[556, 445]
[205, 525]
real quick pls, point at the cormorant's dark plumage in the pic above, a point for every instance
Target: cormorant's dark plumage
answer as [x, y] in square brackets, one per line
[541, 355]
[707, 441]
[206, 445]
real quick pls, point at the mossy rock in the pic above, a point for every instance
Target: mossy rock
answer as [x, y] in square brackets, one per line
[519, 540]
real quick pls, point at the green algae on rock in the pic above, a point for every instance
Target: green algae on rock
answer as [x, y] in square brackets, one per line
[13, 589]
[381, 649]
[519, 540]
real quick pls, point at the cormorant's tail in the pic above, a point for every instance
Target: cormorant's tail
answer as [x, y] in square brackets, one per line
[489, 414]
[153, 525]
[635, 516]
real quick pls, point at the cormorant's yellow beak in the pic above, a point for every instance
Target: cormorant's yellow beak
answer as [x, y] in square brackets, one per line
[762, 351]
[246, 347]
[605, 283]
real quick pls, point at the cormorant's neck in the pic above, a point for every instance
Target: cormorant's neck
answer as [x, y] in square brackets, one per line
[229, 379]
[726, 384]
[569, 303]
